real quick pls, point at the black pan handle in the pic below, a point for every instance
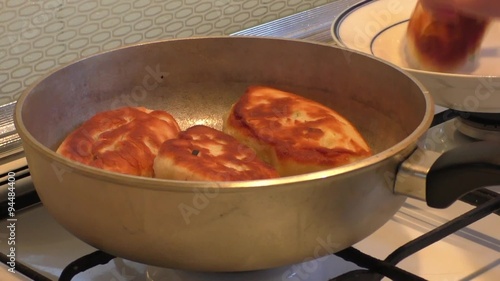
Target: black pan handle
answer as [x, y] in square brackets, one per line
[461, 170]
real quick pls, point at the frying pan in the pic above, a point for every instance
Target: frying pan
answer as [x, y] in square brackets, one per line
[236, 226]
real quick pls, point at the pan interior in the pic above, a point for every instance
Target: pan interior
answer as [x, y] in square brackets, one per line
[198, 79]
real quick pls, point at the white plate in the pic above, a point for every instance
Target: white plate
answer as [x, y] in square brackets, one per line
[378, 27]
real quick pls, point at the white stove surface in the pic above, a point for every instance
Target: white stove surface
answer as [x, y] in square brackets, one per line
[472, 253]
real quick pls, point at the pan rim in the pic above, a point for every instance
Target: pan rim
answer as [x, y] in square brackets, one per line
[156, 184]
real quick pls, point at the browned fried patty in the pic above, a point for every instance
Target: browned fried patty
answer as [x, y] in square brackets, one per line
[125, 140]
[294, 134]
[202, 153]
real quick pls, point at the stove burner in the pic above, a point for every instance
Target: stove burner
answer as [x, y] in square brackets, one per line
[480, 126]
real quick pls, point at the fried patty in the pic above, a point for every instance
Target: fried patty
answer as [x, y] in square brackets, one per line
[293, 134]
[201, 153]
[125, 140]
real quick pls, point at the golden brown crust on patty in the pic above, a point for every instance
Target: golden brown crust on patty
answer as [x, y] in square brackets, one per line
[294, 134]
[438, 44]
[125, 140]
[202, 153]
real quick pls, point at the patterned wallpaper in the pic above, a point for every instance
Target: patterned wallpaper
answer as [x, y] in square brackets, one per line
[38, 36]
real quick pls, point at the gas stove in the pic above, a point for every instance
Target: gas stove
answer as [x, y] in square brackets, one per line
[461, 242]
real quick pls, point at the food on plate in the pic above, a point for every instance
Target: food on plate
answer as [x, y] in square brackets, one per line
[442, 44]
[201, 153]
[124, 140]
[294, 134]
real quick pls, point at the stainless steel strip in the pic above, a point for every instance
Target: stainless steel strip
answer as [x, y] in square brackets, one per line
[6, 122]
[10, 142]
[313, 25]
